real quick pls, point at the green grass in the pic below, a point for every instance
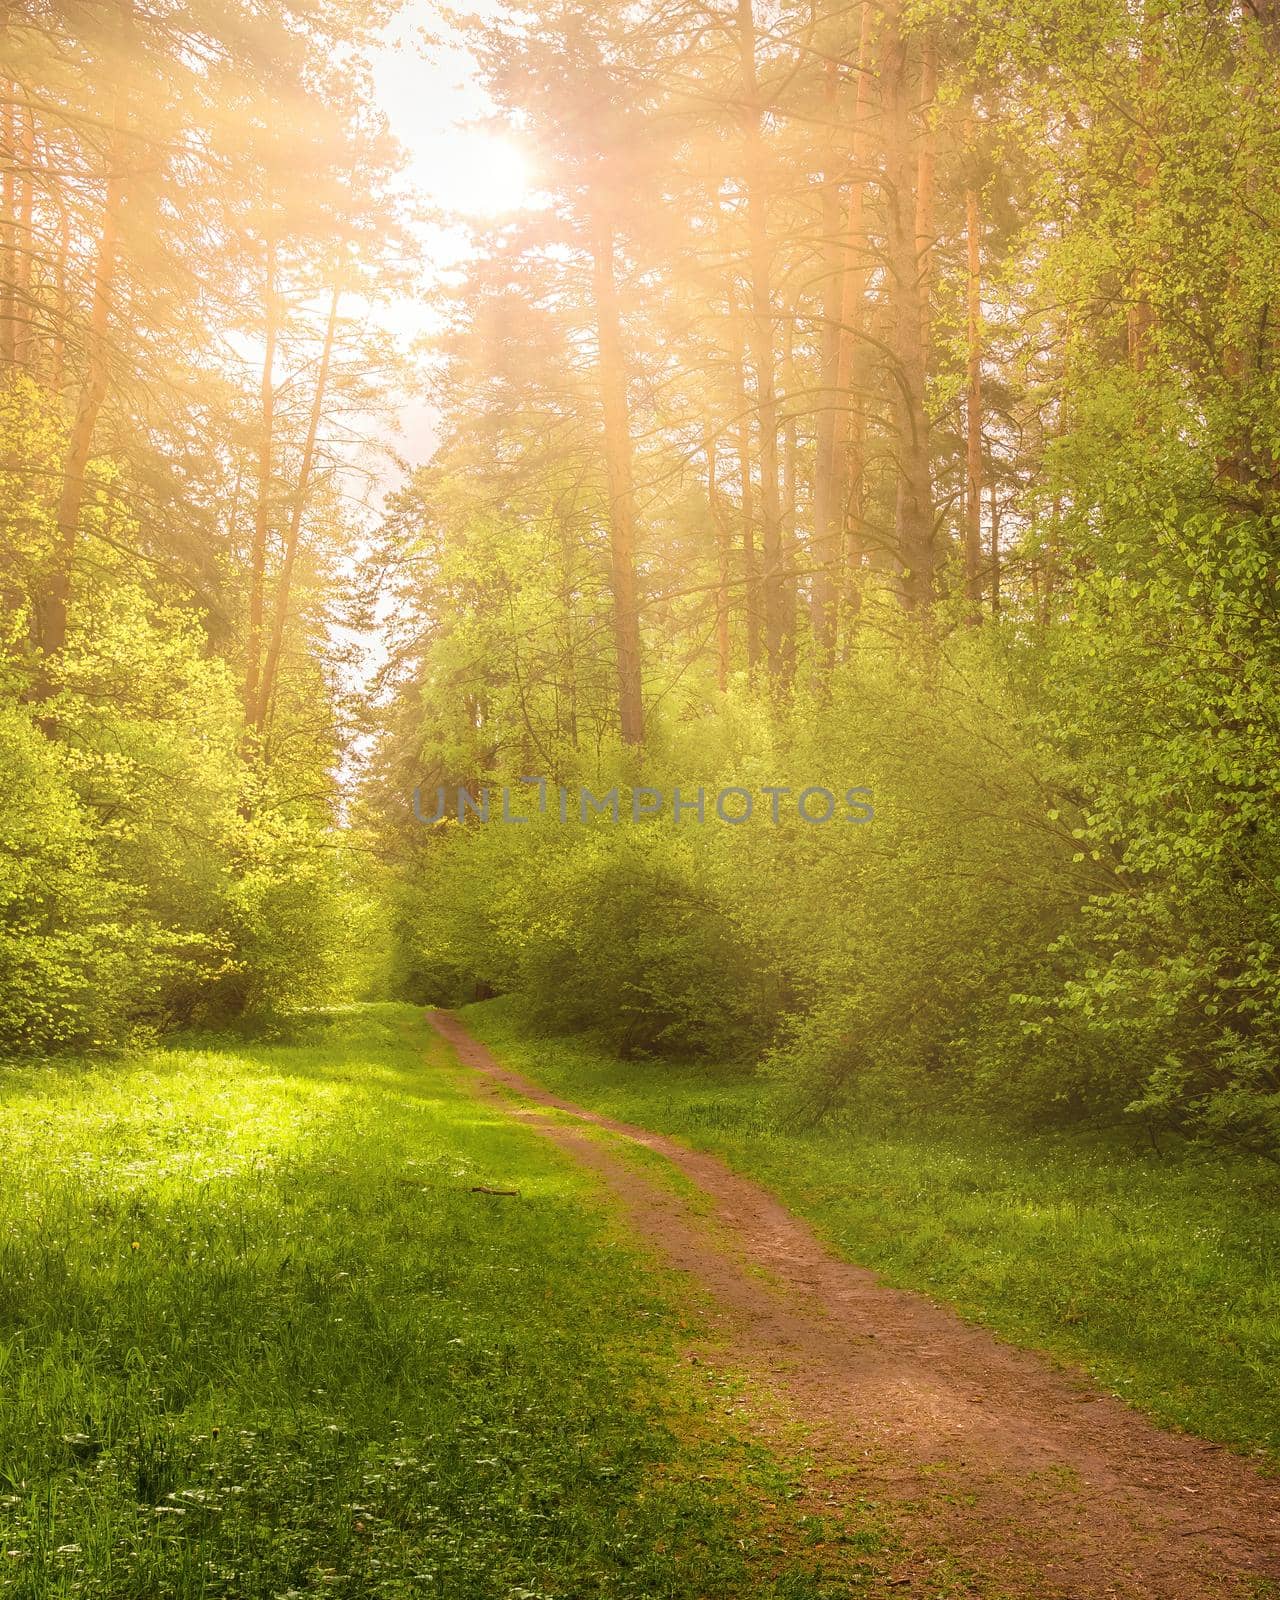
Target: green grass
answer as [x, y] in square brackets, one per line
[1160, 1275]
[259, 1338]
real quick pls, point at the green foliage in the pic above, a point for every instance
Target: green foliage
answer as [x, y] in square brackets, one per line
[1064, 907]
[148, 875]
[604, 926]
[1168, 676]
[66, 956]
[627, 934]
[287, 914]
[886, 962]
[897, 943]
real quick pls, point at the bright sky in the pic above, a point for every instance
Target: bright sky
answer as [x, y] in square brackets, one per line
[427, 89]
[428, 93]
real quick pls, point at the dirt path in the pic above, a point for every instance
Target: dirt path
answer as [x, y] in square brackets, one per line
[1026, 1474]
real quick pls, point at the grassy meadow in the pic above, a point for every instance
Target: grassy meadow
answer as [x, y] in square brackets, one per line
[1158, 1272]
[259, 1337]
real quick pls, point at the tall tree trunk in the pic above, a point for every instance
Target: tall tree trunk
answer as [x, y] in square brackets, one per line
[280, 609]
[567, 726]
[828, 507]
[995, 548]
[849, 432]
[751, 571]
[913, 511]
[24, 321]
[262, 505]
[973, 400]
[927, 187]
[790, 562]
[722, 559]
[62, 298]
[8, 228]
[777, 644]
[622, 506]
[52, 606]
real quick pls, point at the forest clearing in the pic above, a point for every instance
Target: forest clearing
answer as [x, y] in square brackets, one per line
[639, 799]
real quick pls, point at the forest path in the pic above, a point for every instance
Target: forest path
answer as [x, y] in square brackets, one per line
[1024, 1474]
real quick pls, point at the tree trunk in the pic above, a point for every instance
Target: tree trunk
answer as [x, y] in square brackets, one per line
[913, 511]
[849, 431]
[722, 560]
[973, 403]
[62, 297]
[53, 605]
[751, 574]
[280, 610]
[622, 508]
[24, 321]
[262, 507]
[777, 643]
[926, 187]
[8, 230]
[567, 725]
[789, 492]
[828, 508]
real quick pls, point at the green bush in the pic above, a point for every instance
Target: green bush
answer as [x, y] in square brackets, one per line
[617, 928]
[627, 936]
[149, 875]
[71, 961]
[1065, 909]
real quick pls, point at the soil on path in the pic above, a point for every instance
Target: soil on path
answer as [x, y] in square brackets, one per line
[1024, 1473]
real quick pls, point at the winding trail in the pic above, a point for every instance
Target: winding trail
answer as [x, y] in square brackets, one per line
[1025, 1474]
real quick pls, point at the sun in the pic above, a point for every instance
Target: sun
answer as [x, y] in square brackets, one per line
[479, 174]
[437, 111]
